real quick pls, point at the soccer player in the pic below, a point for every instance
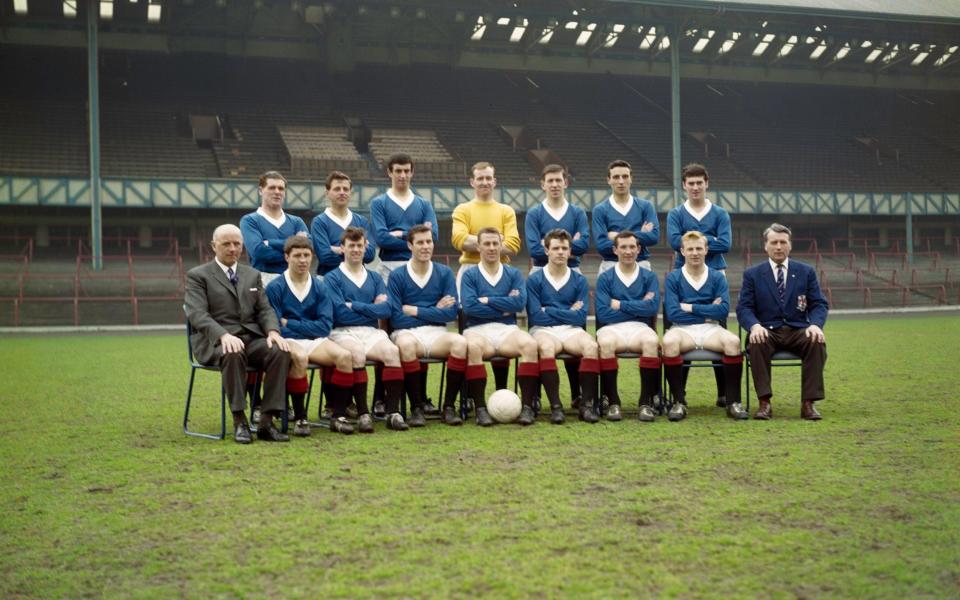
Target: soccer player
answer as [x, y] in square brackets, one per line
[305, 312]
[782, 307]
[359, 300]
[628, 299]
[555, 212]
[423, 299]
[492, 294]
[696, 299]
[557, 298]
[327, 227]
[698, 213]
[395, 212]
[265, 231]
[234, 326]
[622, 211]
[469, 219]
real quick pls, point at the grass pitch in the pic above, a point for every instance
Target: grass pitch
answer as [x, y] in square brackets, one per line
[102, 495]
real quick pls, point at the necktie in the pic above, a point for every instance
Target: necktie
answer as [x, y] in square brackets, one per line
[233, 278]
[781, 283]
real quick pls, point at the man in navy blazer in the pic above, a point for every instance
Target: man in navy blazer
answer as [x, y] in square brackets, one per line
[783, 309]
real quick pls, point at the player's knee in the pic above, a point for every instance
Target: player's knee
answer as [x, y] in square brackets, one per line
[528, 347]
[590, 349]
[458, 347]
[731, 345]
[649, 346]
[391, 356]
[358, 357]
[608, 346]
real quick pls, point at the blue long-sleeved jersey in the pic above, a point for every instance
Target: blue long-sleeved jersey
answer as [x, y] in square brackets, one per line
[306, 320]
[715, 225]
[548, 306]
[363, 311]
[326, 233]
[633, 307]
[402, 289]
[501, 307]
[606, 218]
[264, 241]
[677, 289]
[386, 216]
[538, 222]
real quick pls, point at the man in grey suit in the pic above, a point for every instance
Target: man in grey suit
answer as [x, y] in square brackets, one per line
[234, 325]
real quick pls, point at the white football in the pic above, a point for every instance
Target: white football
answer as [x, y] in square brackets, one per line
[504, 406]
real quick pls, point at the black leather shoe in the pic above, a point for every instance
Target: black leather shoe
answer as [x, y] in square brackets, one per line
[735, 411]
[429, 408]
[379, 409]
[721, 401]
[556, 415]
[341, 425]
[613, 413]
[395, 422]
[677, 412]
[526, 416]
[269, 433]
[242, 434]
[365, 423]
[416, 418]
[450, 416]
[483, 417]
[587, 415]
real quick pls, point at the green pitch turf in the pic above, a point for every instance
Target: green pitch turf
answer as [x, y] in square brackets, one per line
[103, 496]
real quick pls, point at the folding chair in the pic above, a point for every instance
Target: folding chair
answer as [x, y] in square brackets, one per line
[194, 367]
[780, 358]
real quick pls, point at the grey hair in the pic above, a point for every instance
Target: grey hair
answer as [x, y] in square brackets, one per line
[776, 228]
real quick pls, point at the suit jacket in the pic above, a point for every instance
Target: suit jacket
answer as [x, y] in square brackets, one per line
[215, 307]
[759, 302]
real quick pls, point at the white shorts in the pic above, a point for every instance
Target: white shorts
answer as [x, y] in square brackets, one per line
[699, 332]
[606, 265]
[427, 336]
[535, 268]
[561, 332]
[366, 336]
[308, 345]
[627, 332]
[387, 266]
[266, 278]
[495, 333]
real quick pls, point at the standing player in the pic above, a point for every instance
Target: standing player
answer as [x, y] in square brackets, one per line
[423, 299]
[696, 299]
[305, 314]
[265, 231]
[557, 298]
[394, 212]
[468, 219]
[628, 299]
[328, 226]
[623, 211]
[359, 301]
[392, 215]
[698, 213]
[556, 213]
[492, 294]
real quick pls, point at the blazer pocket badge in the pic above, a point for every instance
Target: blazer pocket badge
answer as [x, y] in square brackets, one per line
[802, 302]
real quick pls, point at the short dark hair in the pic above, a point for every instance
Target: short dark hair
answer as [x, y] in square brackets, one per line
[421, 228]
[777, 228]
[553, 168]
[295, 242]
[488, 231]
[354, 234]
[271, 175]
[694, 170]
[334, 175]
[618, 163]
[626, 233]
[556, 234]
[399, 158]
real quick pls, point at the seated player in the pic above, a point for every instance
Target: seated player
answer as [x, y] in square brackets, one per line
[492, 294]
[695, 299]
[359, 299]
[557, 298]
[305, 313]
[423, 299]
[628, 298]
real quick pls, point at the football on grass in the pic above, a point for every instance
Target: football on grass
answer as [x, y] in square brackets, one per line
[504, 406]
